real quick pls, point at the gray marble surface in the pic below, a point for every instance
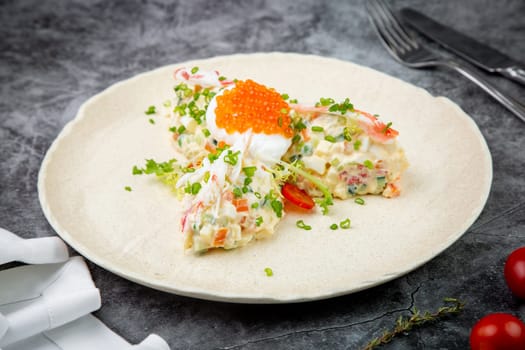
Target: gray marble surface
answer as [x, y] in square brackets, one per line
[55, 54]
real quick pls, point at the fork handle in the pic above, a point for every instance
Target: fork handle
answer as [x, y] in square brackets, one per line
[509, 102]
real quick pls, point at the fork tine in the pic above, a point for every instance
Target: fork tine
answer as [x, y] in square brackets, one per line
[398, 28]
[391, 44]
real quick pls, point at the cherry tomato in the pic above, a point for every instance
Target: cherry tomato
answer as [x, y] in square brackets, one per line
[498, 331]
[297, 196]
[515, 272]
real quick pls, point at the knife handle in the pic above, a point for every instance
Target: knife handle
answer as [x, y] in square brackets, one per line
[514, 73]
[509, 102]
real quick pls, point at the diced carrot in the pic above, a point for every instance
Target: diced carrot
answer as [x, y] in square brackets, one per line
[220, 236]
[241, 204]
[209, 147]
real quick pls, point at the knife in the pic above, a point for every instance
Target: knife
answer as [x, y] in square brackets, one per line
[473, 51]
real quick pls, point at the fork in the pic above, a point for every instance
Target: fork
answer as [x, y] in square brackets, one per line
[406, 49]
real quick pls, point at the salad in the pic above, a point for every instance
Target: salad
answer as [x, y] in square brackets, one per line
[242, 149]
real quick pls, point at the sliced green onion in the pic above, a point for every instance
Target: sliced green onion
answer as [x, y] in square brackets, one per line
[302, 225]
[232, 158]
[317, 128]
[268, 271]
[249, 170]
[255, 205]
[194, 70]
[258, 221]
[329, 138]
[345, 224]
[357, 145]
[334, 227]
[346, 134]
[277, 207]
[127, 188]
[368, 164]
[359, 201]
[151, 121]
[206, 132]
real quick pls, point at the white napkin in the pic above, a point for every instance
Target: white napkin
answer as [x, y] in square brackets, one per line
[32, 251]
[86, 333]
[47, 306]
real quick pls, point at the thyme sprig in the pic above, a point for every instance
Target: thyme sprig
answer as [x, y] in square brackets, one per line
[405, 324]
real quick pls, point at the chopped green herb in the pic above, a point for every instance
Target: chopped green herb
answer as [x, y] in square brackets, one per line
[296, 138]
[248, 181]
[285, 96]
[167, 103]
[151, 121]
[258, 221]
[317, 128]
[268, 271]
[359, 201]
[194, 70]
[222, 78]
[150, 110]
[257, 195]
[293, 101]
[345, 224]
[206, 132]
[368, 164]
[357, 145]
[195, 188]
[330, 138]
[127, 188]
[255, 205]
[302, 225]
[173, 129]
[342, 107]
[152, 167]
[206, 176]
[181, 129]
[334, 227]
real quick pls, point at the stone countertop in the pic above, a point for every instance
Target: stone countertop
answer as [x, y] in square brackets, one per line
[55, 54]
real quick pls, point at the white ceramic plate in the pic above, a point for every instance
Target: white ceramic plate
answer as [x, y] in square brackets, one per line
[136, 234]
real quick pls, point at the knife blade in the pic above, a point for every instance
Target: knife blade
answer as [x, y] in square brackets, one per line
[471, 50]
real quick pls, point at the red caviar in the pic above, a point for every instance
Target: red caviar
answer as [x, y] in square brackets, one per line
[250, 105]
